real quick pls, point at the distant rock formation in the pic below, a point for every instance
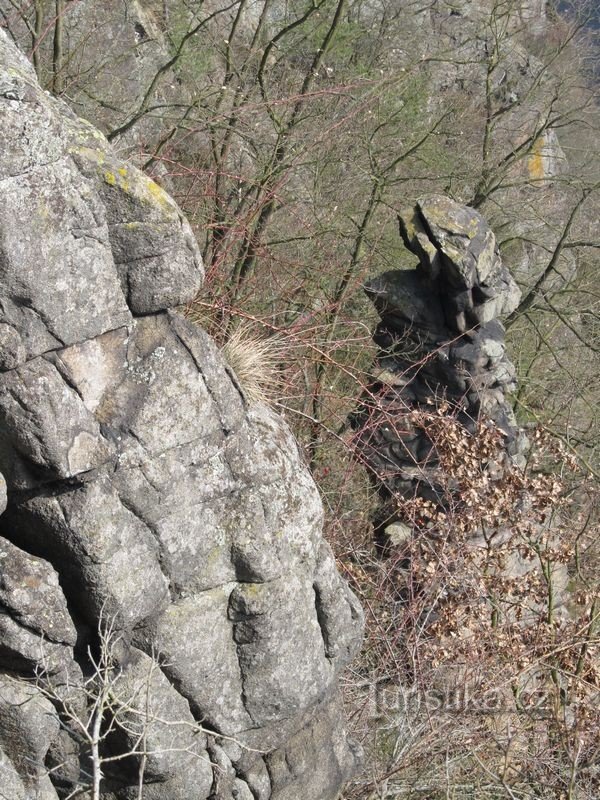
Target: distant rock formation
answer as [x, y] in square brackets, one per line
[143, 491]
[461, 519]
[441, 345]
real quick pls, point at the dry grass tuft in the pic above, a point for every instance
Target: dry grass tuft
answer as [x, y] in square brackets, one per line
[257, 362]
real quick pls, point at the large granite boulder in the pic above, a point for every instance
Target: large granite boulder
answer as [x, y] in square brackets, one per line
[146, 497]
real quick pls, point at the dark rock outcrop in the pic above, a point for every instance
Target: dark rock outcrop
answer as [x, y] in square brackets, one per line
[441, 344]
[437, 433]
[144, 493]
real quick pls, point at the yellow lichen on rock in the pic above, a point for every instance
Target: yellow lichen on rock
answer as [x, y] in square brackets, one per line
[144, 189]
[158, 193]
[535, 163]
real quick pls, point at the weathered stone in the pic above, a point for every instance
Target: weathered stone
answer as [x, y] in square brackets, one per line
[22, 113]
[139, 479]
[319, 752]
[152, 713]
[25, 652]
[194, 638]
[107, 556]
[30, 594]
[87, 235]
[224, 773]
[241, 790]
[254, 772]
[401, 296]
[63, 759]
[398, 534]
[338, 612]
[46, 426]
[291, 672]
[460, 378]
[12, 784]
[59, 282]
[12, 350]
[458, 255]
[28, 726]
[154, 251]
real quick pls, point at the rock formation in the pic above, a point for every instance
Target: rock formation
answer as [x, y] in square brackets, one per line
[437, 433]
[147, 498]
[441, 345]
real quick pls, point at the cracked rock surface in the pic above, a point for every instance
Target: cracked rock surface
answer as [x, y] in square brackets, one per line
[142, 489]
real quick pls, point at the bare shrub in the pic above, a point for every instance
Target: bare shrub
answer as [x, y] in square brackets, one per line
[480, 675]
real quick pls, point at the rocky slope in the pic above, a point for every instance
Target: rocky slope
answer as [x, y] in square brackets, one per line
[162, 539]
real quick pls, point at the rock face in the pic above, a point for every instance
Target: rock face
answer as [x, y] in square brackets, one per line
[441, 345]
[146, 498]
